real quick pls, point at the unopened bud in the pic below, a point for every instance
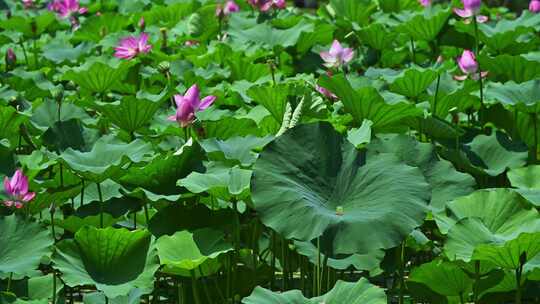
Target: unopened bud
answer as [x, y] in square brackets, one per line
[52, 208]
[11, 59]
[141, 24]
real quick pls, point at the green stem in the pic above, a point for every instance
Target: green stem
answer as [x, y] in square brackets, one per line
[318, 274]
[194, 288]
[146, 216]
[35, 50]
[402, 274]
[135, 220]
[205, 286]
[273, 262]
[519, 272]
[82, 192]
[413, 50]
[477, 52]
[535, 147]
[100, 195]
[476, 280]
[21, 43]
[435, 98]
[54, 288]
[461, 298]
[9, 281]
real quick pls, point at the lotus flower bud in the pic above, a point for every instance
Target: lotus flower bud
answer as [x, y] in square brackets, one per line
[11, 59]
[52, 208]
[141, 24]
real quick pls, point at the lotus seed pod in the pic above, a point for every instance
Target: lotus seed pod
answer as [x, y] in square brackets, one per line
[164, 66]
[339, 210]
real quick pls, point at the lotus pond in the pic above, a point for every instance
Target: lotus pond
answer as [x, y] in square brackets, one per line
[259, 152]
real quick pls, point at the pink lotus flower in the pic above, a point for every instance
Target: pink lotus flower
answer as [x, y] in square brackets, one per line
[425, 3]
[189, 104]
[131, 46]
[17, 189]
[534, 6]
[229, 8]
[66, 8]
[191, 43]
[266, 5]
[469, 66]
[325, 92]
[337, 56]
[470, 9]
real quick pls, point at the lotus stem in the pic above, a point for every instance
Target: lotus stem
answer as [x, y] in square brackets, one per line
[413, 51]
[318, 276]
[435, 98]
[21, 43]
[480, 81]
[535, 147]
[273, 263]
[54, 288]
[35, 50]
[100, 205]
[519, 272]
[402, 274]
[82, 191]
[135, 220]
[146, 216]
[476, 280]
[204, 285]
[194, 288]
[9, 282]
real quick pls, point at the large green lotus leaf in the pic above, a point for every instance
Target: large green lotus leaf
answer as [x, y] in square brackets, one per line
[505, 33]
[34, 84]
[46, 115]
[240, 149]
[484, 217]
[24, 24]
[106, 158]
[437, 128]
[425, 25]
[510, 254]
[524, 96]
[489, 205]
[446, 183]
[361, 292]
[377, 36]
[63, 135]
[527, 180]
[220, 181]
[185, 252]
[228, 127]
[311, 172]
[10, 121]
[494, 154]
[134, 297]
[161, 174]
[74, 223]
[90, 257]
[97, 27]
[273, 98]
[442, 277]
[369, 262]
[358, 11]
[169, 15]
[264, 35]
[98, 75]
[22, 246]
[367, 103]
[60, 50]
[412, 82]
[177, 217]
[519, 68]
[130, 113]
